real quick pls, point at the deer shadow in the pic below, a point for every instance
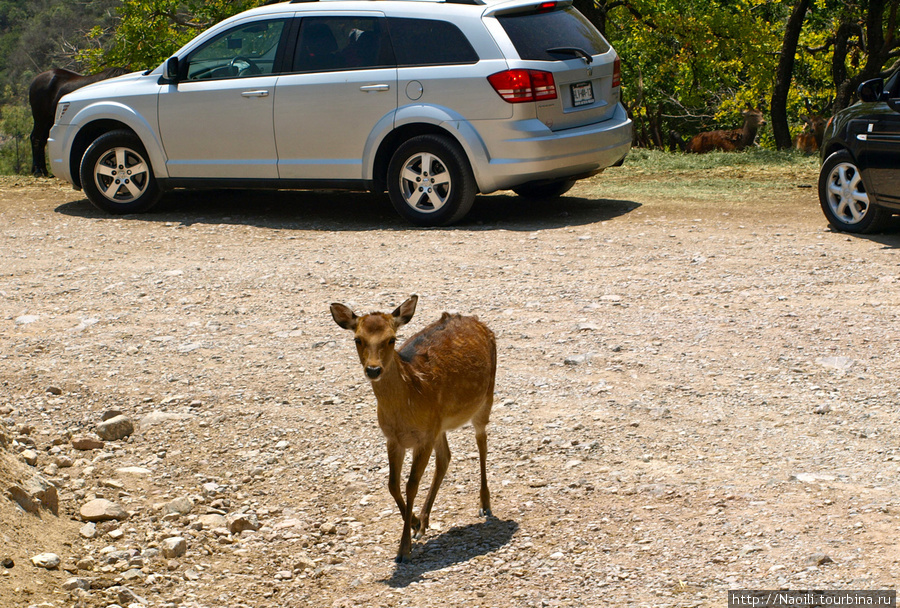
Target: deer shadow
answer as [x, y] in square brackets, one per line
[455, 546]
[357, 212]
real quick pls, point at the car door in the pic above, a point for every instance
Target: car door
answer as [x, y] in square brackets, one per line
[881, 159]
[216, 121]
[343, 82]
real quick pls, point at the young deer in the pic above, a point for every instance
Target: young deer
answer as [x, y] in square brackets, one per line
[439, 379]
[728, 141]
[810, 139]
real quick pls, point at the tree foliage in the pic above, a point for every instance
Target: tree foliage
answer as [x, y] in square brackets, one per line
[149, 31]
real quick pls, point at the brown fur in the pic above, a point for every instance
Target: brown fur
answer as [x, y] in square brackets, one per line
[44, 94]
[810, 139]
[728, 141]
[440, 379]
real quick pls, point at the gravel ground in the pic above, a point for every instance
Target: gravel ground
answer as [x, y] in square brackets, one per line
[693, 395]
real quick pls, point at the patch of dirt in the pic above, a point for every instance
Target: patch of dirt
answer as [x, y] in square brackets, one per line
[693, 395]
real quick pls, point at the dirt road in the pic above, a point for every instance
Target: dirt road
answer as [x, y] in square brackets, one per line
[693, 396]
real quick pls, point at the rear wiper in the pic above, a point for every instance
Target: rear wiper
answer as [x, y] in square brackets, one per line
[572, 50]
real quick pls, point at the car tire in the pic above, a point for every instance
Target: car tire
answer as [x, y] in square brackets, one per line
[546, 191]
[843, 196]
[116, 174]
[430, 181]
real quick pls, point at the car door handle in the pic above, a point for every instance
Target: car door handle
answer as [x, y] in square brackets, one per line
[262, 93]
[375, 87]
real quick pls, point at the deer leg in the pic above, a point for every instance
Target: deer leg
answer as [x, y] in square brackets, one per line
[421, 454]
[441, 462]
[395, 462]
[481, 439]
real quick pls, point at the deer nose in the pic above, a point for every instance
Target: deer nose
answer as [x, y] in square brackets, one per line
[373, 372]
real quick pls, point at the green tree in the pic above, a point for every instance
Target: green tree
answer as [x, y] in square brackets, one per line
[15, 149]
[149, 31]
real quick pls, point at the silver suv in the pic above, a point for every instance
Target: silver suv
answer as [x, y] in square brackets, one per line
[431, 101]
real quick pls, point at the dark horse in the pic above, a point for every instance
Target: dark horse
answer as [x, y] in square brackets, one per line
[44, 93]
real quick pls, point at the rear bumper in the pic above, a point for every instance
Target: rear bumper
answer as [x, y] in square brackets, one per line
[528, 151]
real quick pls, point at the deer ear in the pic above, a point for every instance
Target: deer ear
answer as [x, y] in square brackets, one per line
[405, 311]
[344, 317]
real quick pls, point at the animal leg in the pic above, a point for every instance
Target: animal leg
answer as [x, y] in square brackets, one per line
[481, 439]
[420, 458]
[395, 462]
[39, 136]
[441, 462]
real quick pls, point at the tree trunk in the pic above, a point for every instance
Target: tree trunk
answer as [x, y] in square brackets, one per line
[785, 74]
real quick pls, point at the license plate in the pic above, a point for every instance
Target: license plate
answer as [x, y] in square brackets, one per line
[582, 94]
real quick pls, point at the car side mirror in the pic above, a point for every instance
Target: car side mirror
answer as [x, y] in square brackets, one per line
[170, 71]
[871, 90]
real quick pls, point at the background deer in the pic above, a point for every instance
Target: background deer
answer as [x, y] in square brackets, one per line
[810, 139]
[729, 141]
[439, 379]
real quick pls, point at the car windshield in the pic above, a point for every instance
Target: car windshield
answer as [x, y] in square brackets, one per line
[535, 33]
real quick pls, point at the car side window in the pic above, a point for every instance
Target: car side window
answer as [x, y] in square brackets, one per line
[429, 42]
[247, 50]
[342, 43]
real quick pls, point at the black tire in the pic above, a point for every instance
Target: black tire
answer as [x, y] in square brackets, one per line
[438, 194]
[116, 174]
[545, 191]
[843, 197]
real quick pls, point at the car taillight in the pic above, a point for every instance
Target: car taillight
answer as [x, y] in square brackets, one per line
[520, 86]
[617, 73]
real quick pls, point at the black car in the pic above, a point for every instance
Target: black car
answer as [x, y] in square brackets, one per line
[859, 183]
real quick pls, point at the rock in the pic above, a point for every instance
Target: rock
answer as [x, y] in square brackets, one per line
[108, 414]
[26, 319]
[30, 457]
[54, 390]
[49, 561]
[158, 417]
[76, 583]
[817, 559]
[88, 530]
[86, 563]
[328, 528]
[139, 471]
[212, 521]
[63, 461]
[101, 509]
[812, 477]
[34, 494]
[173, 547]
[578, 359]
[304, 563]
[239, 522]
[127, 597]
[118, 427]
[181, 506]
[87, 442]
[7, 563]
[841, 364]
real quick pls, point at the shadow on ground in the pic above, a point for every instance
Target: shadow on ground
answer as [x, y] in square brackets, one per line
[452, 547]
[353, 211]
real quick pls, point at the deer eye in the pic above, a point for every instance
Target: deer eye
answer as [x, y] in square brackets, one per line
[392, 341]
[358, 341]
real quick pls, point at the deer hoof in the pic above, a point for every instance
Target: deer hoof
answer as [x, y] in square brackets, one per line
[485, 513]
[402, 559]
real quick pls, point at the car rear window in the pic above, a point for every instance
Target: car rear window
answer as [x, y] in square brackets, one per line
[533, 33]
[429, 42]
